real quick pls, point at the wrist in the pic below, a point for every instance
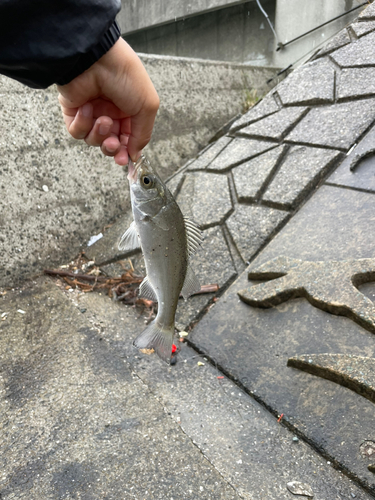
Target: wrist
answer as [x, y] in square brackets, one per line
[86, 60]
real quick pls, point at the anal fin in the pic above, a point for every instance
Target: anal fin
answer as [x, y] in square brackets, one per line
[146, 290]
[191, 284]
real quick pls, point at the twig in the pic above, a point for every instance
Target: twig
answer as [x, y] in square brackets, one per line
[68, 274]
[207, 289]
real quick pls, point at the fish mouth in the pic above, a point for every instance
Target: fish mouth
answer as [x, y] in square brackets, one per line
[133, 169]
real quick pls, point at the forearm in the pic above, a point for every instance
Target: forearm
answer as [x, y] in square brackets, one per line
[44, 41]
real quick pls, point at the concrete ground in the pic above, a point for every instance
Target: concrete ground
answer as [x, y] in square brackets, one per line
[85, 415]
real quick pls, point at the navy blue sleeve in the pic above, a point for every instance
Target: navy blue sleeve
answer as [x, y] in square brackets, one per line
[52, 41]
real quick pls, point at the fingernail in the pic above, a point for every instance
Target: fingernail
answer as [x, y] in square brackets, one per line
[135, 157]
[104, 129]
[86, 110]
[111, 149]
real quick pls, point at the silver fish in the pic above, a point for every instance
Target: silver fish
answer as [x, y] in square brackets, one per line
[167, 239]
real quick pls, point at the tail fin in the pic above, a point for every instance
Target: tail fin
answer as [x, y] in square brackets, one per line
[155, 337]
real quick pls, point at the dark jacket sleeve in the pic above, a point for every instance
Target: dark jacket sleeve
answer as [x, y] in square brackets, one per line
[52, 41]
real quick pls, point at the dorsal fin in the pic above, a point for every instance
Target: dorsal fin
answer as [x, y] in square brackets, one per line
[194, 235]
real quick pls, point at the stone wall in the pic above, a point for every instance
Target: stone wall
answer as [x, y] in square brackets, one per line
[238, 33]
[56, 192]
[295, 17]
[145, 13]
[234, 31]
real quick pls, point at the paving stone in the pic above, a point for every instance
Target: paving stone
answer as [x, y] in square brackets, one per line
[239, 151]
[358, 53]
[185, 197]
[250, 177]
[341, 39]
[206, 198]
[337, 126]
[312, 83]
[213, 260]
[209, 154]
[328, 285]
[357, 170]
[367, 13]
[362, 28]
[275, 126]
[355, 372]
[174, 183]
[254, 345]
[212, 264]
[356, 82]
[251, 226]
[263, 108]
[300, 171]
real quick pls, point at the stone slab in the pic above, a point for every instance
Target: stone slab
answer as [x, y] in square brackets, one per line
[356, 82]
[212, 261]
[209, 154]
[355, 372]
[263, 108]
[330, 285]
[77, 421]
[251, 177]
[253, 345]
[255, 454]
[357, 170]
[336, 126]
[175, 182]
[212, 264]
[252, 226]
[363, 28]
[338, 41]
[318, 85]
[206, 198]
[356, 54]
[367, 13]
[237, 152]
[300, 171]
[275, 126]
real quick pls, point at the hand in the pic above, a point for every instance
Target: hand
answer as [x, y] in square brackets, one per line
[113, 104]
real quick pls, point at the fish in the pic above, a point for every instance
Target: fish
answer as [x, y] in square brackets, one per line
[168, 240]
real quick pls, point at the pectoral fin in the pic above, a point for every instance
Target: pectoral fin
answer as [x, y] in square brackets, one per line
[146, 290]
[191, 284]
[129, 240]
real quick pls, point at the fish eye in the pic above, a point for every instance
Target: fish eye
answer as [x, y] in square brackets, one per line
[147, 181]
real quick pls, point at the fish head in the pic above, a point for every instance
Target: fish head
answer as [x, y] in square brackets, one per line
[148, 192]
